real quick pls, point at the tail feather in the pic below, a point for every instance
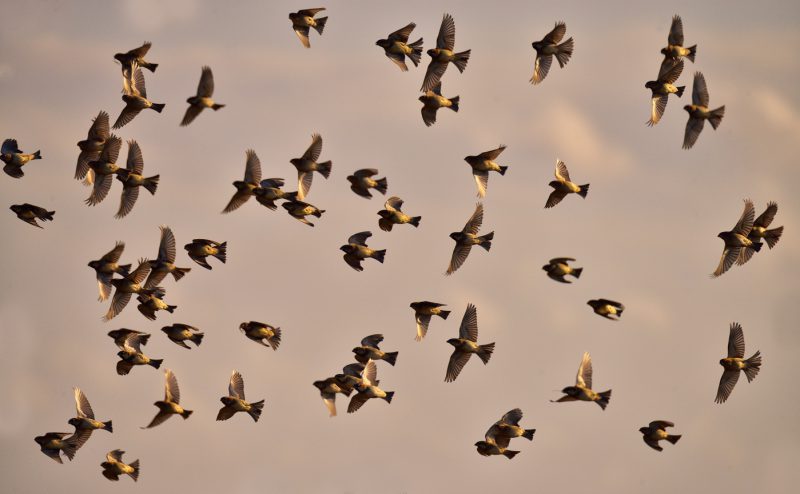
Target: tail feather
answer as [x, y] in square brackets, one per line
[107, 426]
[584, 190]
[217, 106]
[179, 273]
[690, 56]
[756, 246]
[37, 155]
[605, 397]
[320, 24]
[485, 352]
[444, 313]
[460, 60]
[715, 117]
[391, 358]
[324, 168]
[772, 236]
[150, 66]
[576, 272]
[415, 221]
[486, 241]
[256, 409]
[503, 170]
[197, 338]
[416, 52]
[528, 434]
[171, 308]
[564, 52]
[389, 396]
[379, 255]
[454, 103]
[151, 184]
[222, 255]
[276, 339]
[186, 414]
[49, 216]
[135, 473]
[510, 454]
[753, 366]
[158, 107]
[124, 270]
[673, 438]
[680, 91]
[155, 362]
[382, 185]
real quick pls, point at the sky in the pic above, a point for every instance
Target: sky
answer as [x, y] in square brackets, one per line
[645, 235]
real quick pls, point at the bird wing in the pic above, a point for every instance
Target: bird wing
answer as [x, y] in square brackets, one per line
[765, 219]
[191, 113]
[433, 75]
[118, 302]
[252, 169]
[700, 90]
[658, 104]
[460, 254]
[135, 162]
[556, 35]
[100, 190]
[555, 197]
[111, 149]
[132, 343]
[304, 181]
[236, 386]
[512, 417]
[330, 401]
[238, 199]
[402, 34]
[736, 341]
[393, 204]
[584, 377]
[481, 181]
[172, 392]
[356, 402]
[359, 238]
[160, 417]
[729, 256]
[137, 82]
[99, 129]
[365, 172]
[310, 12]
[225, 413]
[10, 147]
[726, 385]
[115, 455]
[745, 223]
[140, 273]
[103, 286]
[302, 35]
[130, 194]
[661, 424]
[429, 115]
[469, 324]
[670, 70]
[561, 172]
[353, 262]
[475, 221]
[114, 254]
[205, 89]
[541, 66]
[493, 154]
[457, 362]
[676, 31]
[370, 374]
[82, 404]
[694, 126]
[142, 50]
[653, 443]
[447, 33]
[372, 340]
[315, 149]
[128, 113]
[423, 320]
[166, 246]
[562, 260]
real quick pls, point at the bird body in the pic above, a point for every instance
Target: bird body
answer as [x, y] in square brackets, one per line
[235, 401]
[15, 159]
[423, 311]
[582, 390]
[737, 240]
[113, 467]
[397, 47]
[444, 54]
[547, 48]
[356, 250]
[170, 405]
[656, 432]
[361, 181]
[261, 333]
[53, 443]
[488, 448]
[199, 249]
[203, 99]
[135, 96]
[482, 164]
[466, 345]
[432, 100]
[699, 112]
[392, 215]
[30, 213]
[607, 308]
[304, 19]
[563, 186]
[662, 87]
[558, 268]
[181, 333]
[735, 363]
[675, 49]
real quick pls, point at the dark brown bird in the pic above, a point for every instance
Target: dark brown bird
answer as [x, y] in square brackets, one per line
[327, 390]
[466, 344]
[562, 186]
[269, 191]
[558, 268]
[181, 333]
[136, 56]
[106, 267]
[662, 87]
[367, 388]
[92, 146]
[468, 237]
[150, 303]
[674, 49]
[760, 231]
[369, 351]
[299, 210]
[735, 362]
[482, 164]
[245, 189]
[303, 19]
[307, 164]
[171, 404]
[120, 335]
[443, 54]
[205, 90]
[30, 213]
[261, 333]
[432, 100]
[549, 46]
[131, 353]
[135, 97]
[235, 401]
[607, 308]
[127, 286]
[53, 443]
[397, 47]
[737, 239]
[392, 215]
[15, 159]
[361, 181]
[422, 314]
[132, 178]
[113, 467]
[582, 391]
[656, 432]
[164, 262]
[356, 250]
[201, 248]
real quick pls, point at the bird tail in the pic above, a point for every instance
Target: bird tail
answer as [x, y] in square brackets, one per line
[150, 66]
[222, 255]
[756, 246]
[673, 438]
[197, 338]
[318, 213]
[485, 352]
[460, 60]
[37, 155]
[179, 273]
[415, 221]
[486, 241]
[49, 217]
[510, 454]
[680, 91]
[391, 358]
[605, 397]
[416, 51]
[715, 116]
[690, 56]
[772, 236]
[379, 255]
[584, 190]
[186, 414]
[256, 409]
[528, 434]
[382, 185]
[124, 270]
[454, 103]
[503, 170]
[171, 308]
[158, 107]
[320, 24]
[577, 272]
[151, 184]
[276, 340]
[564, 52]
[389, 396]
[753, 365]
[108, 427]
[155, 362]
[217, 106]
[135, 473]
[324, 168]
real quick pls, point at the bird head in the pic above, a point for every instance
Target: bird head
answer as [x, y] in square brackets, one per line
[433, 52]
[243, 326]
[347, 248]
[546, 267]
[453, 341]
[351, 179]
[455, 236]
[75, 421]
[414, 305]
[296, 161]
[591, 302]
[422, 98]
[320, 385]
[645, 430]
[664, 51]
[554, 184]
[722, 362]
[226, 400]
[118, 57]
[383, 43]
[16, 208]
[359, 351]
[121, 354]
[570, 391]
[93, 264]
[651, 84]
[722, 235]
[383, 213]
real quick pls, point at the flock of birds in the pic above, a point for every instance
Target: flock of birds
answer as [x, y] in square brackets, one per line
[97, 166]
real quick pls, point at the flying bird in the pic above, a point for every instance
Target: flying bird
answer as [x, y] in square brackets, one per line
[102, 169]
[15, 159]
[261, 333]
[443, 54]
[737, 239]
[582, 391]
[549, 46]
[423, 311]
[674, 49]
[607, 308]
[131, 353]
[482, 164]
[181, 333]
[307, 164]
[466, 344]
[367, 388]
[760, 231]
[235, 401]
[662, 87]
[361, 181]
[53, 443]
[199, 249]
[30, 213]
[563, 186]
[468, 237]
[299, 210]
[656, 432]
[356, 250]
[152, 302]
[304, 19]
[392, 215]
[171, 404]
[500, 434]
[135, 97]
[92, 146]
[327, 390]
[127, 286]
[106, 267]
[489, 448]
[113, 467]
[136, 57]
[120, 335]
[269, 191]
[369, 351]
[245, 189]
[85, 421]
[736, 362]
[699, 112]
[132, 178]
[205, 90]
[397, 48]
[432, 100]
[164, 262]
[558, 268]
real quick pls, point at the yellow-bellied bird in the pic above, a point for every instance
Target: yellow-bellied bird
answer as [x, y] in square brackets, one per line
[468, 237]
[30, 213]
[656, 432]
[466, 344]
[307, 164]
[562, 186]
[132, 178]
[369, 351]
[53, 443]
[737, 239]
[200, 248]
[91, 147]
[181, 333]
[135, 97]
[482, 164]
[549, 46]
[760, 231]
[106, 266]
[607, 308]
[113, 467]
[662, 87]
[736, 362]
[582, 391]
[367, 388]
[15, 159]
[235, 401]
[674, 48]
[356, 250]
[302, 20]
[85, 421]
[443, 54]
[699, 112]
[558, 268]
[164, 262]
[361, 181]
[397, 47]
[131, 353]
[205, 90]
[423, 311]
[261, 333]
[299, 210]
[152, 302]
[171, 404]
[136, 56]
[245, 189]
[432, 100]
[391, 215]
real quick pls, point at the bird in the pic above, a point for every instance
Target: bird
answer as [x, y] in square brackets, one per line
[327, 390]
[304, 19]
[164, 263]
[269, 191]
[432, 100]
[171, 404]
[662, 87]
[737, 239]
[488, 448]
[582, 391]
[392, 215]
[562, 186]
[699, 112]
[736, 362]
[200, 248]
[136, 56]
[674, 49]
[299, 210]
[351, 375]
[549, 46]
[132, 178]
[235, 401]
[30, 213]
[205, 90]
[361, 181]
[127, 286]
[499, 435]
[656, 432]
[120, 335]
[423, 311]
[85, 421]
[106, 267]
[482, 164]
[760, 231]
[369, 351]
[135, 97]
[113, 467]
[181, 333]
[92, 146]
[102, 170]
[468, 237]
[261, 333]
[367, 388]
[466, 344]
[397, 47]
[307, 164]
[245, 189]
[131, 353]
[150, 303]
[607, 308]
[356, 250]
[558, 268]
[443, 54]
[53, 443]
[15, 159]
